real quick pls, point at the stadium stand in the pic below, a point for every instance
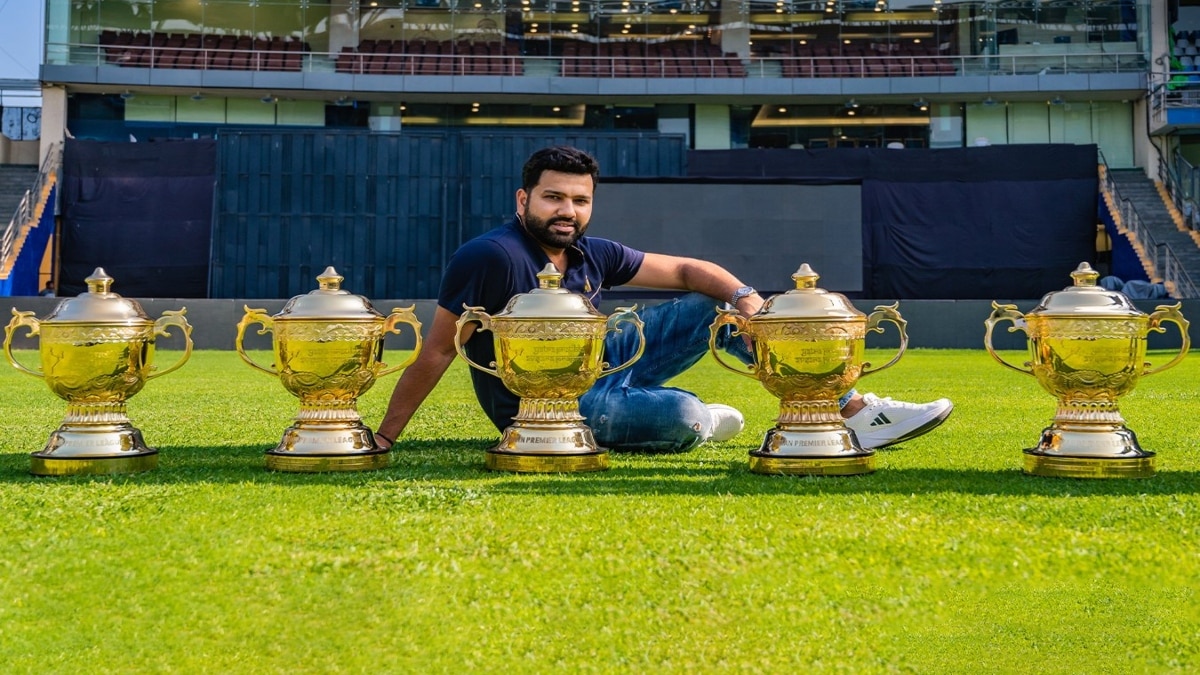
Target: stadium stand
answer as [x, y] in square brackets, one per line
[202, 51]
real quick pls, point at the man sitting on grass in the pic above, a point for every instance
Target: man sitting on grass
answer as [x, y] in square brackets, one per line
[631, 410]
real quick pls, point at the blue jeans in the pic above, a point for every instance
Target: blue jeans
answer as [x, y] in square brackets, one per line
[632, 410]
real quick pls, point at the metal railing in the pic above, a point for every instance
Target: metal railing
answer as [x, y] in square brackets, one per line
[1173, 273]
[603, 66]
[1164, 263]
[30, 209]
[948, 65]
[1172, 90]
[1182, 181]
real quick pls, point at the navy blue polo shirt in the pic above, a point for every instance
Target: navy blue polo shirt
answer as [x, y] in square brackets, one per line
[490, 269]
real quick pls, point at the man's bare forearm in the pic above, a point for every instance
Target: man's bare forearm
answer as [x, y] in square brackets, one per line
[423, 375]
[693, 274]
[716, 282]
[410, 392]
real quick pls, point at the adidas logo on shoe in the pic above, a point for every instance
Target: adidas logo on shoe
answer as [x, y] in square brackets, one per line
[884, 421]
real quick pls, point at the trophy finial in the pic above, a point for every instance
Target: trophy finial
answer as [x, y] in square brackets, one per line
[1084, 275]
[805, 277]
[99, 282]
[330, 280]
[549, 278]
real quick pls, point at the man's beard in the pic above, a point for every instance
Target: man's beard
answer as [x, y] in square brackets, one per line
[540, 229]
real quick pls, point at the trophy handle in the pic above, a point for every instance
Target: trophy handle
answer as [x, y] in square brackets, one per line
[728, 317]
[162, 327]
[1170, 313]
[1004, 313]
[886, 313]
[398, 316]
[625, 315]
[252, 317]
[485, 323]
[21, 319]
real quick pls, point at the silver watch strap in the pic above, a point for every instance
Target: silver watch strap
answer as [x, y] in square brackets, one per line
[740, 293]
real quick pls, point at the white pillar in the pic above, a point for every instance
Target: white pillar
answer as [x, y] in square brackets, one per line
[54, 118]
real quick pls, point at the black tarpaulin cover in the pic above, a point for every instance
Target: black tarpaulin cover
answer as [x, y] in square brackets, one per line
[994, 222]
[142, 211]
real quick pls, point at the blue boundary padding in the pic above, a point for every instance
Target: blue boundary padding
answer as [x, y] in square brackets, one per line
[24, 277]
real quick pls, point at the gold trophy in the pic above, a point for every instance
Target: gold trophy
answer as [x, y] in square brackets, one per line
[328, 348]
[1087, 347]
[549, 344]
[97, 351]
[808, 352]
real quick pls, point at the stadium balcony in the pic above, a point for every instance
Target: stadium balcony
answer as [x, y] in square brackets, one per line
[498, 67]
[701, 49]
[1174, 102]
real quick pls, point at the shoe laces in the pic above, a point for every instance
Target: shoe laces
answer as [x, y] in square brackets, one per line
[871, 401]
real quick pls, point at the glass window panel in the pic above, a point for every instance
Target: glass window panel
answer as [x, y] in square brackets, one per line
[946, 126]
[1028, 122]
[851, 30]
[72, 26]
[1114, 22]
[280, 19]
[1071, 122]
[178, 16]
[987, 124]
[1112, 130]
[316, 27]
[123, 15]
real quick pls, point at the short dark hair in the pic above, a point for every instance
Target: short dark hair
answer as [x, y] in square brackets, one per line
[563, 158]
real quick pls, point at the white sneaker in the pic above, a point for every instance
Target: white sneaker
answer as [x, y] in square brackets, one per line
[727, 422]
[884, 421]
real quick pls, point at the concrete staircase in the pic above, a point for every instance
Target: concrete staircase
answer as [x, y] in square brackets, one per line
[15, 179]
[1162, 222]
[16, 221]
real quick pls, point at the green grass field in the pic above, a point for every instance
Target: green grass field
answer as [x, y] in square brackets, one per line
[947, 559]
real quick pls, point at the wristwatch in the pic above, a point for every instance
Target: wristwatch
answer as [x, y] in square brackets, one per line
[740, 293]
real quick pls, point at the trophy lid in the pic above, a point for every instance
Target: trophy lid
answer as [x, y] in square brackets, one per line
[806, 301]
[1085, 298]
[98, 305]
[550, 301]
[328, 301]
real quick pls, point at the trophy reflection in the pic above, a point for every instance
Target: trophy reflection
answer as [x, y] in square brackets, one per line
[549, 346]
[1087, 348]
[808, 353]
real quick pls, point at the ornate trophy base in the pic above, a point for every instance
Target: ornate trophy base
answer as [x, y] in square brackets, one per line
[547, 448]
[309, 447]
[1107, 452]
[93, 449]
[825, 450]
